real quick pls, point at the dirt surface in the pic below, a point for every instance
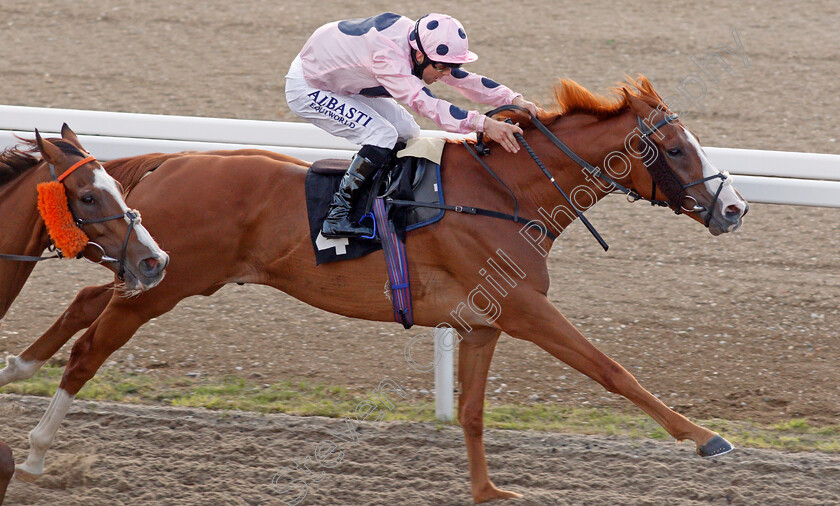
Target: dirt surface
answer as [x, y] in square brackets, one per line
[179, 456]
[743, 327]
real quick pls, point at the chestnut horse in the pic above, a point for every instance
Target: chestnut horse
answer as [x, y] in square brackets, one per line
[94, 199]
[240, 217]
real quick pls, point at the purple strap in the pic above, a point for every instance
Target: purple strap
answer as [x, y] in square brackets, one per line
[397, 264]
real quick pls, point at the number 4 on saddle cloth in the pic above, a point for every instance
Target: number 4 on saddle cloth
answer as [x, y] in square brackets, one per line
[414, 177]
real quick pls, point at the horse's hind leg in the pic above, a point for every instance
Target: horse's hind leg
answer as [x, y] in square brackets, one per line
[474, 355]
[118, 322]
[86, 307]
[7, 468]
[542, 324]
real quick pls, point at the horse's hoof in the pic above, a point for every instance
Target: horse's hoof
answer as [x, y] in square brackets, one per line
[23, 474]
[715, 446]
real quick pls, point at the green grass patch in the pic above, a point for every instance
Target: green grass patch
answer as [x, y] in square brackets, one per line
[793, 435]
[305, 398]
[579, 420]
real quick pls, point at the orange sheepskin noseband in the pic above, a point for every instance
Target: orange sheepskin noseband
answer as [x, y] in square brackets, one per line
[52, 203]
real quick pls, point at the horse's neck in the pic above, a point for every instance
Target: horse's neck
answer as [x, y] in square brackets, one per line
[591, 140]
[24, 234]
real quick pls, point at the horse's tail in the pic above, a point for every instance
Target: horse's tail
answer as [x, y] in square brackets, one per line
[129, 171]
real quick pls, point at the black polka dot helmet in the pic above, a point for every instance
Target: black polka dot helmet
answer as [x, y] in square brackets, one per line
[441, 38]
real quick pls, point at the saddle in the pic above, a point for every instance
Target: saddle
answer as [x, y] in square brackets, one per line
[411, 178]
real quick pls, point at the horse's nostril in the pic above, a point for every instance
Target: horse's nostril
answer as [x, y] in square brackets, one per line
[733, 212]
[151, 267]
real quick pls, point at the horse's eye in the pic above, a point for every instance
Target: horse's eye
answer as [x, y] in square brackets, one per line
[87, 199]
[674, 152]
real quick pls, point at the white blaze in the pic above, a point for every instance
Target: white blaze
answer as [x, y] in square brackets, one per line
[107, 184]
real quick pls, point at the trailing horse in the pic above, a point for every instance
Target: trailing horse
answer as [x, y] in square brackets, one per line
[67, 200]
[82, 212]
[240, 217]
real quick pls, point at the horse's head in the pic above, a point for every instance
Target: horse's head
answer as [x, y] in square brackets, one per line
[100, 226]
[675, 168]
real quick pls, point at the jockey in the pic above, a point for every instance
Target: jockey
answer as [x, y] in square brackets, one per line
[350, 75]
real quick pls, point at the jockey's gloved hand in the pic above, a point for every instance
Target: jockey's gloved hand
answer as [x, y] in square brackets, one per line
[503, 133]
[521, 102]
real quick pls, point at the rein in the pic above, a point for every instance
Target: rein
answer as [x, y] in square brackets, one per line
[632, 195]
[132, 215]
[547, 174]
[27, 258]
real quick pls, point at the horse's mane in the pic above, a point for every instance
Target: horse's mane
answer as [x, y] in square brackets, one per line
[129, 171]
[570, 98]
[16, 160]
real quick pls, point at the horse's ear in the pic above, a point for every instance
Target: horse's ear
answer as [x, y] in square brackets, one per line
[49, 151]
[69, 135]
[639, 106]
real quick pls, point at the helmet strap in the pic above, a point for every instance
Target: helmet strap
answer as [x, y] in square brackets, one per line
[417, 67]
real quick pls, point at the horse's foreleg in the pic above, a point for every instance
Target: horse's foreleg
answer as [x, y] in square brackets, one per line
[86, 307]
[474, 355]
[551, 331]
[107, 334]
[7, 468]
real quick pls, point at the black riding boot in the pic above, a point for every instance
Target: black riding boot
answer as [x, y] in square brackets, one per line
[338, 222]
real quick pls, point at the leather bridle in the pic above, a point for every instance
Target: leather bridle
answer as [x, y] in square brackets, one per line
[678, 206]
[132, 215]
[631, 194]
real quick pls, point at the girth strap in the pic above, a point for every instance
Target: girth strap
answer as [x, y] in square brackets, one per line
[468, 210]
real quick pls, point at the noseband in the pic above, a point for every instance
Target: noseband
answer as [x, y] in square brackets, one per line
[132, 215]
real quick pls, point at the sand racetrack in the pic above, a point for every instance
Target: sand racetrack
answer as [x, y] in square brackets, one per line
[741, 327]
